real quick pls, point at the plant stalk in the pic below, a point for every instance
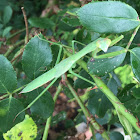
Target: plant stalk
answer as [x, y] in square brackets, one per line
[132, 37]
[48, 123]
[9, 51]
[90, 118]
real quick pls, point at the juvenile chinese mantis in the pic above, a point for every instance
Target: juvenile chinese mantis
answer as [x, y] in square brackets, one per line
[66, 64]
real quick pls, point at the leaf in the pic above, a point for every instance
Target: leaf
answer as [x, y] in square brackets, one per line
[67, 92]
[79, 83]
[1, 25]
[6, 31]
[116, 136]
[8, 79]
[129, 101]
[125, 75]
[135, 62]
[25, 130]
[101, 67]
[127, 90]
[44, 22]
[36, 56]
[126, 124]
[3, 4]
[105, 119]
[108, 17]
[112, 84]
[71, 21]
[44, 106]
[113, 136]
[7, 14]
[9, 108]
[136, 92]
[65, 27]
[98, 103]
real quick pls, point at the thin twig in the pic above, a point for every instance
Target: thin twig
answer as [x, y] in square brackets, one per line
[48, 123]
[12, 48]
[132, 37]
[17, 55]
[18, 32]
[90, 118]
[26, 24]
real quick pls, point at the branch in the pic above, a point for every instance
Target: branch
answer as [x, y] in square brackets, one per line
[90, 118]
[26, 24]
[46, 131]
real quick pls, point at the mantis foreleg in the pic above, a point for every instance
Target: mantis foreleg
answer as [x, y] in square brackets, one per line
[112, 54]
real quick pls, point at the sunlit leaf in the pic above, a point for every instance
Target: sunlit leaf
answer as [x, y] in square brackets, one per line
[25, 130]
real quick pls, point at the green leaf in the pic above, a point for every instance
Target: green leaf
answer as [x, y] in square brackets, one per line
[36, 56]
[108, 17]
[3, 4]
[113, 136]
[105, 119]
[126, 124]
[71, 21]
[112, 84]
[79, 83]
[8, 79]
[136, 92]
[135, 62]
[7, 14]
[126, 90]
[98, 103]
[44, 23]
[6, 31]
[125, 75]
[1, 25]
[116, 136]
[65, 27]
[101, 67]
[129, 101]
[25, 130]
[44, 106]
[67, 92]
[9, 108]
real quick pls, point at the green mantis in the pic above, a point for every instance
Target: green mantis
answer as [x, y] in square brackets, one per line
[66, 64]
